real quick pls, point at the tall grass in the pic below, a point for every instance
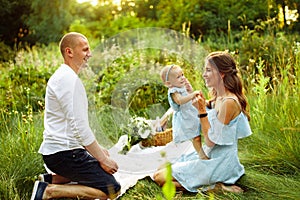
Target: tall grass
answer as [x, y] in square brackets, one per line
[271, 156]
[275, 123]
[19, 140]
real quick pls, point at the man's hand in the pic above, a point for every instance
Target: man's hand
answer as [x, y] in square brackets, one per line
[109, 166]
[102, 155]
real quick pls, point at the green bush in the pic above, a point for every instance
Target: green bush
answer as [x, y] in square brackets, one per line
[24, 79]
[6, 53]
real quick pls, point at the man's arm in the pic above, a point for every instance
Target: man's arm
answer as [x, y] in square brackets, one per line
[102, 156]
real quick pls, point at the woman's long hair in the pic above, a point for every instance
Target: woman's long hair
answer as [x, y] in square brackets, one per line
[226, 65]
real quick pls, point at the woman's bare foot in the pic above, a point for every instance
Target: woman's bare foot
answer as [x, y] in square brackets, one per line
[220, 187]
[231, 188]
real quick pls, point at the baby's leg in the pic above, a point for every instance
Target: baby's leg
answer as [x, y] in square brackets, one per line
[198, 147]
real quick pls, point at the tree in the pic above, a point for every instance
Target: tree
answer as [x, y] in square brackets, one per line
[147, 9]
[49, 20]
[12, 15]
[210, 17]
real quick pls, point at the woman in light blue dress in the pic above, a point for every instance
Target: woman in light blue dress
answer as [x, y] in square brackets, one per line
[222, 125]
[185, 123]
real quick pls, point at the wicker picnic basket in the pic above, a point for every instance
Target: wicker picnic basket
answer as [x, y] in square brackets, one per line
[159, 139]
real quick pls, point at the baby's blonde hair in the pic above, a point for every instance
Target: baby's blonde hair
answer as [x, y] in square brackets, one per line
[165, 72]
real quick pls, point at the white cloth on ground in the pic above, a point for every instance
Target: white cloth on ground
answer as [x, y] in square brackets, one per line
[139, 162]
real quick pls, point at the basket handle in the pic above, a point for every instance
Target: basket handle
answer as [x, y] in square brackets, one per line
[165, 117]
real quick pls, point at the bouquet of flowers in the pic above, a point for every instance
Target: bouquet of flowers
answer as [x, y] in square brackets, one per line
[146, 132]
[137, 129]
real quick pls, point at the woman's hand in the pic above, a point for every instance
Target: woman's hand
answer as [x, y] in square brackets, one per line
[201, 103]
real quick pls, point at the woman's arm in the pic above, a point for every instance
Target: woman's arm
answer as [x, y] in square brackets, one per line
[205, 125]
[229, 109]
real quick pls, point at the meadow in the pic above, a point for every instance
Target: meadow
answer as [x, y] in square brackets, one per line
[269, 66]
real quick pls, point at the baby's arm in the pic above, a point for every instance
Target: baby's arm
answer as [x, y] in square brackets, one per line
[190, 89]
[188, 85]
[179, 99]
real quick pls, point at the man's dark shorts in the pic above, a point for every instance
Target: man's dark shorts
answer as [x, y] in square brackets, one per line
[78, 166]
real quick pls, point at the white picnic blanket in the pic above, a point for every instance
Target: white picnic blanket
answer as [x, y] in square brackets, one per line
[140, 162]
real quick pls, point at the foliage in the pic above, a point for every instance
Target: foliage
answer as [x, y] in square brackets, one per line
[208, 17]
[6, 53]
[275, 48]
[127, 22]
[168, 188]
[30, 20]
[40, 20]
[115, 85]
[12, 21]
[23, 82]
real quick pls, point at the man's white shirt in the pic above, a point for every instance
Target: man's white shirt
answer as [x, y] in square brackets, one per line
[66, 113]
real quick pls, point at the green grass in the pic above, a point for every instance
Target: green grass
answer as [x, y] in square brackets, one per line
[20, 163]
[270, 157]
[257, 185]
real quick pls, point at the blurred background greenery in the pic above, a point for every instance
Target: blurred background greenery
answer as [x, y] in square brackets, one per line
[30, 22]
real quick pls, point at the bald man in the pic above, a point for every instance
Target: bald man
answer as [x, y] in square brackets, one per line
[69, 148]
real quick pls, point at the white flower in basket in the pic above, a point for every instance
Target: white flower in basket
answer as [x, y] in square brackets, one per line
[142, 130]
[137, 129]
[144, 127]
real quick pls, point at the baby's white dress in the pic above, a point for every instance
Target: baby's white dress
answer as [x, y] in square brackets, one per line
[185, 122]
